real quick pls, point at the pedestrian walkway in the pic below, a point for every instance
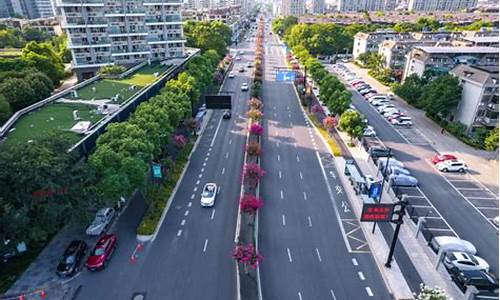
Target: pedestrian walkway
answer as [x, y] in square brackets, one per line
[484, 166]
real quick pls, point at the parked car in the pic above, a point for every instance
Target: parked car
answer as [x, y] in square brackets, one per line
[362, 87]
[396, 116]
[383, 107]
[244, 86]
[238, 58]
[227, 114]
[231, 75]
[377, 151]
[380, 102]
[403, 180]
[102, 218]
[452, 165]
[464, 261]
[452, 243]
[102, 252]
[442, 157]
[382, 163]
[241, 69]
[396, 170]
[369, 95]
[369, 131]
[482, 280]
[71, 259]
[208, 195]
[389, 112]
[242, 52]
[401, 121]
[367, 91]
[249, 64]
[356, 81]
[359, 84]
[393, 114]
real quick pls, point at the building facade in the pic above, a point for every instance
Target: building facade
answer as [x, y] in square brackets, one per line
[478, 106]
[370, 42]
[121, 32]
[366, 5]
[293, 7]
[31, 9]
[441, 5]
[318, 7]
[440, 60]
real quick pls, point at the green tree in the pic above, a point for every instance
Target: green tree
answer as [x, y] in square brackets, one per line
[34, 34]
[282, 25]
[43, 57]
[442, 95]
[339, 102]
[352, 122]
[18, 92]
[5, 110]
[491, 141]
[411, 90]
[207, 35]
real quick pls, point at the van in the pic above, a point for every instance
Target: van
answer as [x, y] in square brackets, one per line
[452, 244]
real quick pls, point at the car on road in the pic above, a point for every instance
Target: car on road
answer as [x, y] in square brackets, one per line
[482, 280]
[464, 261]
[244, 86]
[401, 121]
[442, 157]
[242, 52]
[227, 114]
[238, 58]
[72, 258]
[452, 165]
[102, 252]
[452, 243]
[249, 64]
[403, 180]
[369, 131]
[208, 195]
[241, 69]
[231, 75]
[102, 219]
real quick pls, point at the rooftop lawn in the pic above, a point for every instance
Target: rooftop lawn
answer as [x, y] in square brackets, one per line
[39, 123]
[108, 88]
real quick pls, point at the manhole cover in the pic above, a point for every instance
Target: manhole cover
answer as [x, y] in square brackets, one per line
[139, 296]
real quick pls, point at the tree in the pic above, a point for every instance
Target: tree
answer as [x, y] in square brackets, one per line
[18, 93]
[43, 57]
[5, 110]
[253, 149]
[329, 123]
[411, 90]
[352, 122]
[34, 34]
[339, 101]
[442, 95]
[491, 141]
[207, 35]
[282, 25]
[428, 293]
[252, 174]
[247, 255]
[249, 204]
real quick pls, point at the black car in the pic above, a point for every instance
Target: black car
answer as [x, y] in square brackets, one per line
[70, 261]
[227, 114]
[481, 279]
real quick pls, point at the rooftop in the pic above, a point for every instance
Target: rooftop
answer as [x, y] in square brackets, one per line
[465, 50]
[482, 39]
[481, 75]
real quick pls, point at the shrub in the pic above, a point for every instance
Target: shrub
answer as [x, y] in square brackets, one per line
[179, 140]
[256, 89]
[254, 114]
[253, 149]
[252, 174]
[330, 123]
[112, 70]
[249, 204]
[247, 255]
[256, 129]
[255, 103]
[316, 108]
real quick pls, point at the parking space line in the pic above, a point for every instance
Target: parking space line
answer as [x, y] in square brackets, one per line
[485, 207]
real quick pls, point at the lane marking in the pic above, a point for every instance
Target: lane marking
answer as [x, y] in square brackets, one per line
[289, 255]
[190, 203]
[205, 246]
[298, 160]
[204, 164]
[300, 296]
[317, 253]
[208, 154]
[280, 174]
[179, 232]
[213, 214]
[210, 149]
[230, 142]
[202, 170]
[309, 221]
[354, 262]
[183, 222]
[227, 154]
[201, 175]
[192, 196]
[305, 196]
[186, 213]
[300, 174]
[361, 275]
[206, 158]
[197, 182]
[223, 171]
[195, 189]
[369, 291]
[215, 135]
[283, 220]
[278, 157]
[333, 295]
[281, 194]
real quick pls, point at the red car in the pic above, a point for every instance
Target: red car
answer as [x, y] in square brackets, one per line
[442, 157]
[102, 252]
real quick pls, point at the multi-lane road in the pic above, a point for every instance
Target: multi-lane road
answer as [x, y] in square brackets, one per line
[303, 232]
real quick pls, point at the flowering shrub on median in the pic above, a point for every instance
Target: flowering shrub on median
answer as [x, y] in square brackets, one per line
[250, 204]
[247, 255]
[256, 129]
[253, 149]
[252, 174]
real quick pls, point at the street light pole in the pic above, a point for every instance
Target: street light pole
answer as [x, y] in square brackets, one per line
[398, 222]
[383, 182]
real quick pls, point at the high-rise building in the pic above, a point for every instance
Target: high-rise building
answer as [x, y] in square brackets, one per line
[440, 5]
[366, 5]
[318, 7]
[125, 32]
[31, 9]
[293, 7]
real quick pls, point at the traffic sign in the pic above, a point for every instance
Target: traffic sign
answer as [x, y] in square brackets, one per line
[377, 212]
[285, 75]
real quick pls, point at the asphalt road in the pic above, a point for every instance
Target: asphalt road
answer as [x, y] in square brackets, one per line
[302, 235]
[191, 255]
[455, 209]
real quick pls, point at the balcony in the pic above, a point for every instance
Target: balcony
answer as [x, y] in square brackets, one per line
[168, 19]
[162, 2]
[82, 23]
[127, 11]
[78, 3]
[493, 106]
[486, 121]
[78, 44]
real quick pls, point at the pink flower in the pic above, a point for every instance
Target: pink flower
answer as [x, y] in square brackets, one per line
[256, 129]
[250, 204]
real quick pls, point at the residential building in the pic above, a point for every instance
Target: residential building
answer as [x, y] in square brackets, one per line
[318, 7]
[31, 9]
[440, 60]
[293, 7]
[366, 5]
[370, 42]
[478, 106]
[49, 25]
[441, 5]
[477, 41]
[123, 32]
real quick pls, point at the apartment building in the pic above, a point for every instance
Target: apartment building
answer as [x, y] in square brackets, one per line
[124, 32]
[440, 60]
[366, 5]
[478, 106]
[370, 42]
[293, 7]
[31, 9]
[318, 7]
[477, 41]
[440, 5]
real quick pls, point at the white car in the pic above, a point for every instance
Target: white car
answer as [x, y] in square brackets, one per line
[369, 131]
[382, 108]
[242, 52]
[452, 242]
[452, 165]
[380, 102]
[208, 195]
[378, 98]
[244, 86]
[102, 218]
[390, 111]
[401, 121]
[231, 75]
[238, 58]
[465, 261]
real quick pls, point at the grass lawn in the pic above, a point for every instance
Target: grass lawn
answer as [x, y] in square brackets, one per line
[62, 114]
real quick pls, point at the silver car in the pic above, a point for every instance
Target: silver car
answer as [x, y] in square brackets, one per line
[465, 261]
[403, 180]
[102, 218]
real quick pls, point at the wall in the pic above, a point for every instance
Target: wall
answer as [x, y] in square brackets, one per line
[467, 108]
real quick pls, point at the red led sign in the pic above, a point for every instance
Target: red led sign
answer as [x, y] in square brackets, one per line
[377, 212]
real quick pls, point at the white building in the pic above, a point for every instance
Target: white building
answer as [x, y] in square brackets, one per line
[126, 32]
[293, 7]
[479, 104]
[366, 5]
[440, 5]
[318, 7]
[371, 42]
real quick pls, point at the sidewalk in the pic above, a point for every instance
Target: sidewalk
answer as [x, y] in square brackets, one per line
[419, 253]
[484, 166]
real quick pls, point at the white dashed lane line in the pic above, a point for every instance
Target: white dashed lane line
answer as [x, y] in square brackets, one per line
[300, 174]
[192, 196]
[279, 174]
[281, 194]
[289, 254]
[278, 157]
[354, 262]
[305, 196]
[195, 189]
[369, 291]
[361, 275]
[183, 222]
[300, 295]
[202, 170]
[197, 182]
[213, 214]
[333, 295]
[309, 221]
[201, 175]
[283, 221]
[227, 154]
[318, 255]
[298, 159]
[223, 170]
[205, 246]
[179, 232]
[190, 203]
[186, 213]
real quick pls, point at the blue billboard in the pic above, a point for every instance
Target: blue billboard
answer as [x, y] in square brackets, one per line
[285, 75]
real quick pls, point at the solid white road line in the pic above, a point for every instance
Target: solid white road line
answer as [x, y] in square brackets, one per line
[283, 220]
[369, 291]
[309, 221]
[213, 214]
[215, 135]
[300, 174]
[281, 194]
[317, 253]
[223, 170]
[179, 232]
[205, 246]
[333, 295]
[305, 196]
[361, 275]
[183, 222]
[186, 213]
[300, 296]
[354, 261]
[289, 255]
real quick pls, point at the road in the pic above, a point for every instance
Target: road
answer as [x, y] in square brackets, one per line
[306, 228]
[458, 211]
[191, 255]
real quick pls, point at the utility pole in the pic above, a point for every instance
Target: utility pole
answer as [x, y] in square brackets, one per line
[398, 222]
[383, 182]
